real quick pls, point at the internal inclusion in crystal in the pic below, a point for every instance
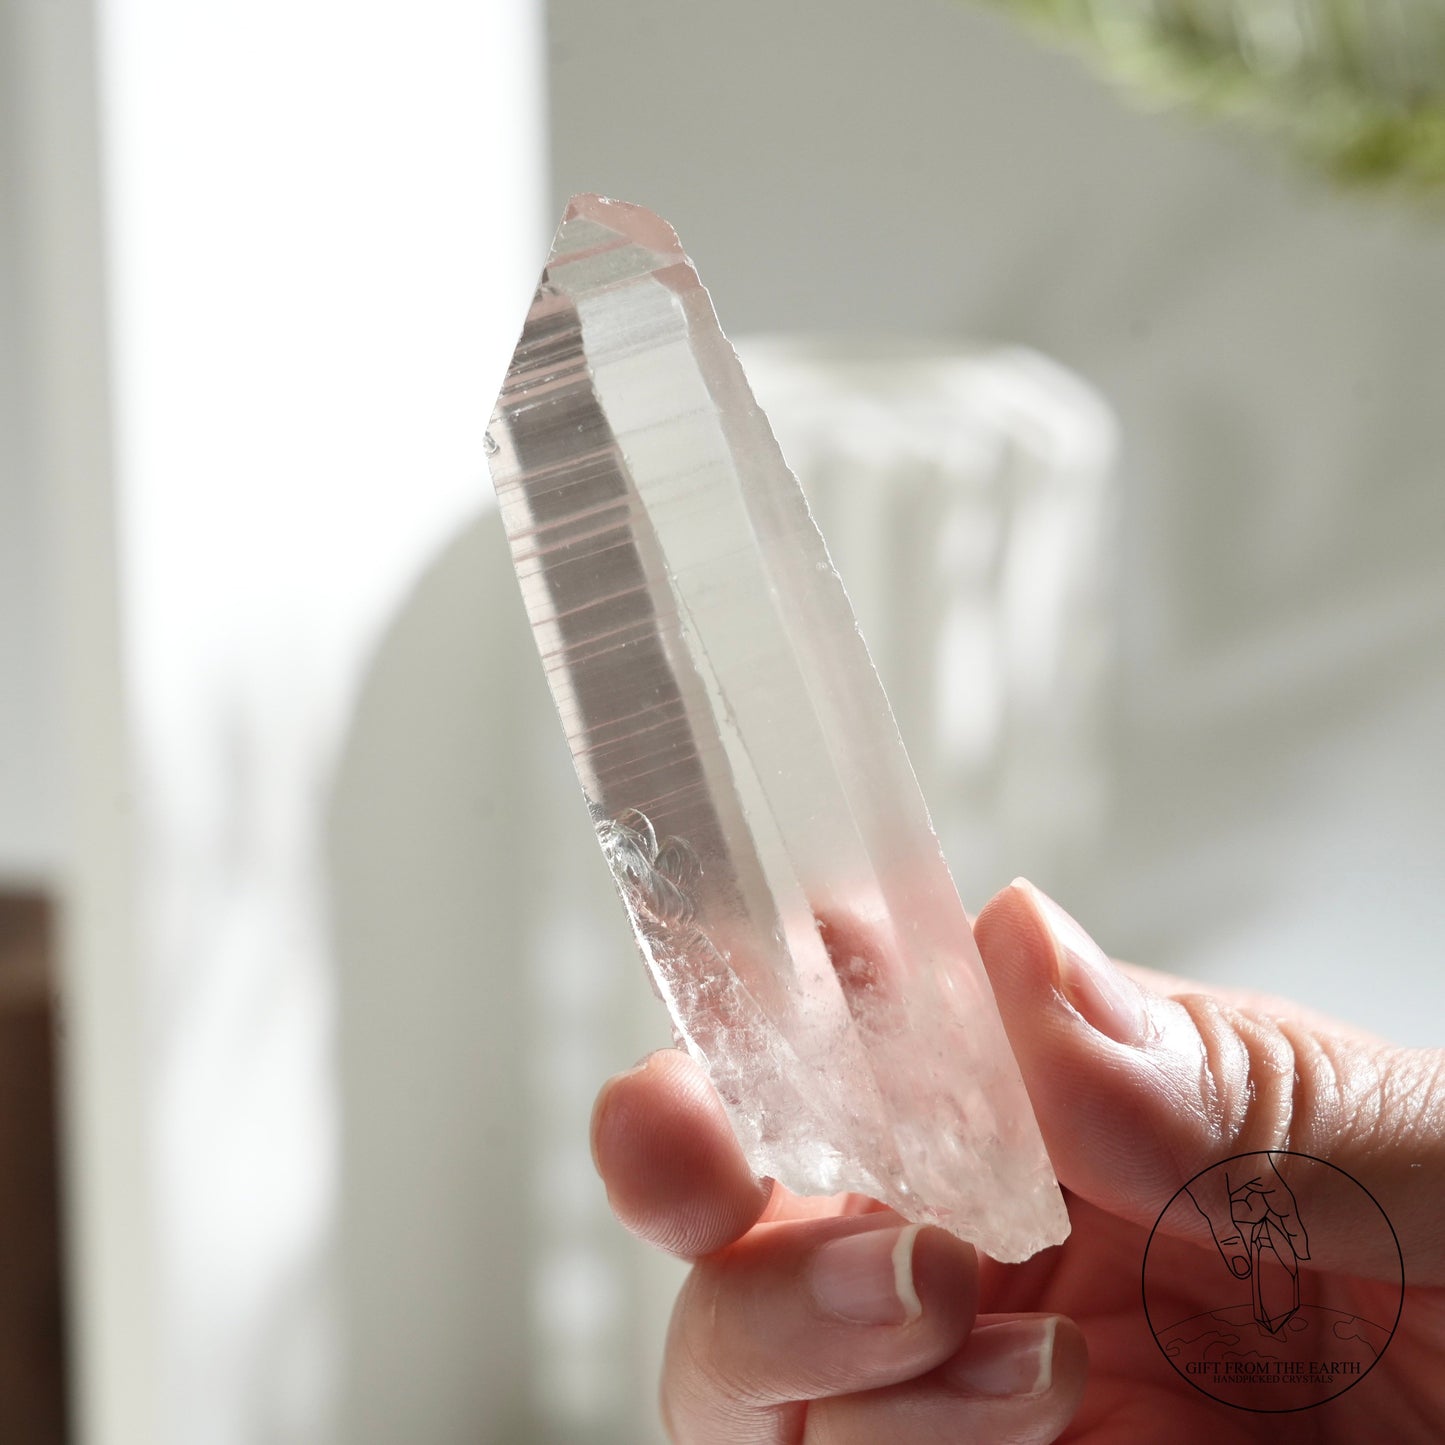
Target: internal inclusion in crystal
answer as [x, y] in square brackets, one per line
[739, 758]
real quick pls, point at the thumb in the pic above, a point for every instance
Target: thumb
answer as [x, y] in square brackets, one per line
[1136, 1093]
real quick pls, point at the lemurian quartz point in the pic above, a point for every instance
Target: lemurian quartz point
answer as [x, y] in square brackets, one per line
[739, 757]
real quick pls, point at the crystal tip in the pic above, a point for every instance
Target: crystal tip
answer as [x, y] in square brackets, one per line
[635, 223]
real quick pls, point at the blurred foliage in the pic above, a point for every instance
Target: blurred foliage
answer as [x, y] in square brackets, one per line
[1356, 87]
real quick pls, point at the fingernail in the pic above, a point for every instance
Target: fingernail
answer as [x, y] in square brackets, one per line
[1012, 1357]
[1239, 1265]
[1106, 998]
[867, 1278]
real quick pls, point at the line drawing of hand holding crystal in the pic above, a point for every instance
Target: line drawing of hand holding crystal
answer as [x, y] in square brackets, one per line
[1252, 1214]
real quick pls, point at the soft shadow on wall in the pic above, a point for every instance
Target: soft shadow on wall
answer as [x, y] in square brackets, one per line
[482, 995]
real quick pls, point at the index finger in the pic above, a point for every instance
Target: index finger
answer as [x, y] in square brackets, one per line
[674, 1172]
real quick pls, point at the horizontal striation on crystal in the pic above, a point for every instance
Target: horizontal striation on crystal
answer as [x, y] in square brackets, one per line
[742, 767]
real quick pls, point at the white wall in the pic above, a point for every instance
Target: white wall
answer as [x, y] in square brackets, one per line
[323, 220]
[272, 260]
[1273, 351]
[29, 804]
[108, 1193]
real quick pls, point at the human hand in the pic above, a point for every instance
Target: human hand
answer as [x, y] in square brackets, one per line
[830, 1322]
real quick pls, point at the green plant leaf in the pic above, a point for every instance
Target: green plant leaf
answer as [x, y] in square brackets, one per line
[1355, 87]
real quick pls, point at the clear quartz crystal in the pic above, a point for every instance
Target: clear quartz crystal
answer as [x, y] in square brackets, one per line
[739, 758]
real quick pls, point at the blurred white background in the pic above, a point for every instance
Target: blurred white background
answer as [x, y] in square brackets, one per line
[342, 969]
[1272, 351]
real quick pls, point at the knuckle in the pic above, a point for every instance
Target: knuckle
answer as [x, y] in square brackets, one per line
[1267, 1083]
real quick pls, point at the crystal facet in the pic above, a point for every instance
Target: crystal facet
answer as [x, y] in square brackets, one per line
[739, 758]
